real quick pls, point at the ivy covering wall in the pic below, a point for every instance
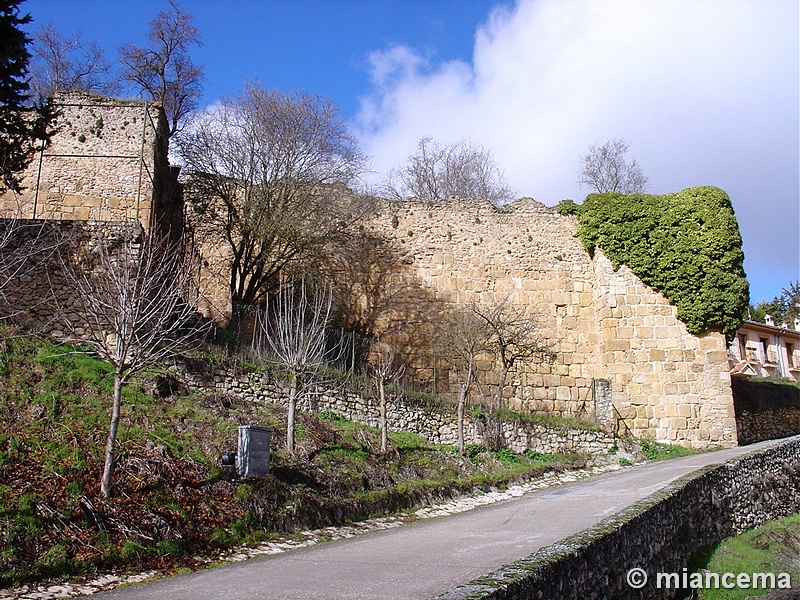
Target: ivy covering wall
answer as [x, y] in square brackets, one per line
[685, 245]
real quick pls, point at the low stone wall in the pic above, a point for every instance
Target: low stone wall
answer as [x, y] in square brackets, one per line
[765, 410]
[658, 534]
[438, 424]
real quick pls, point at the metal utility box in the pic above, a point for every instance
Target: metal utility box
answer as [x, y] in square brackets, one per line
[252, 456]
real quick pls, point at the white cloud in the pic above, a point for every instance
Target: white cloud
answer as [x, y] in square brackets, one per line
[705, 92]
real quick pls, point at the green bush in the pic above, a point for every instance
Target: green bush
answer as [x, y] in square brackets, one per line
[685, 245]
[538, 456]
[657, 451]
[507, 456]
[331, 417]
[567, 207]
[473, 450]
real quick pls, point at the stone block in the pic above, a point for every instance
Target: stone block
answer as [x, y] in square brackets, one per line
[717, 356]
[624, 332]
[678, 422]
[617, 345]
[711, 342]
[661, 332]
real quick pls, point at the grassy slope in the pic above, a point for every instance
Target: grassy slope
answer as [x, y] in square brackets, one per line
[773, 548]
[172, 500]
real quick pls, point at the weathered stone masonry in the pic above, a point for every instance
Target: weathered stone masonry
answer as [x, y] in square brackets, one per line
[604, 325]
[40, 290]
[610, 332]
[106, 162]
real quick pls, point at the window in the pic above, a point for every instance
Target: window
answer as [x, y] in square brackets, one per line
[742, 347]
[790, 355]
[762, 347]
[768, 356]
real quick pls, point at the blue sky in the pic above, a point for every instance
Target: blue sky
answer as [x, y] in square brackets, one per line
[707, 92]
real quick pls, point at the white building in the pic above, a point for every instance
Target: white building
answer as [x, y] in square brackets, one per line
[766, 350]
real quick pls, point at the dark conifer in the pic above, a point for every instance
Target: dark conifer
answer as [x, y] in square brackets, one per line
[19, 122]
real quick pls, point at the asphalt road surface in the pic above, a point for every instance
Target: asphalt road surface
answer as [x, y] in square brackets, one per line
[429, 557]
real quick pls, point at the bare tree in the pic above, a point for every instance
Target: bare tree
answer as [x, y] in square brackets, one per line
[69, 64]
[437, 172]
[462, 339]
[605, 169]
[266, 179]
[293, 335]
[164, 71]
[384, 367]
[25, 245]
[130, 308]
[514, 338]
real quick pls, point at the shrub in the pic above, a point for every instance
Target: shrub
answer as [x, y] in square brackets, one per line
[685, 245]
[473, 450]
[507, 456]
[567, 207]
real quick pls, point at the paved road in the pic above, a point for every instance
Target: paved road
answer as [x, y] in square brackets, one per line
[430, 557]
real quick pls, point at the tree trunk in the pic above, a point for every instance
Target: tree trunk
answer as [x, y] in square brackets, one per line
[384, 428]
[463, 393]
[108, 469]
[501, 386]
[290, 420]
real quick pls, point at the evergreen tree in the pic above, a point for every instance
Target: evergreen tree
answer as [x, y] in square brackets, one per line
[19, 124]
[783, 309]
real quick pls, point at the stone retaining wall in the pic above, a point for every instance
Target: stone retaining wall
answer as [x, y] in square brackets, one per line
[659, 534]
[437, 424]
[765, 410]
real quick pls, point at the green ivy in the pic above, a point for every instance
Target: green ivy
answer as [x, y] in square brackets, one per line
[685, 245]
[567, 207]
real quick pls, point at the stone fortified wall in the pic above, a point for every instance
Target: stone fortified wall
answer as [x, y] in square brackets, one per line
[608, 331]
[603, 325]
[36, 291]
[107, 161]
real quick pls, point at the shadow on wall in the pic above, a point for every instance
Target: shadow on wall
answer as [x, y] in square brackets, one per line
[33, 288]
[765, 410]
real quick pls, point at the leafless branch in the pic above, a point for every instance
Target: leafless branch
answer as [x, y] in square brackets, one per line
[462, 339]
[514, 338]
[384, 367]
[22, 244]
[437, 172]
[605, 169]
[163, 71]
[62, 63]
[293, 335]
[130, 307]
[266, 177]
